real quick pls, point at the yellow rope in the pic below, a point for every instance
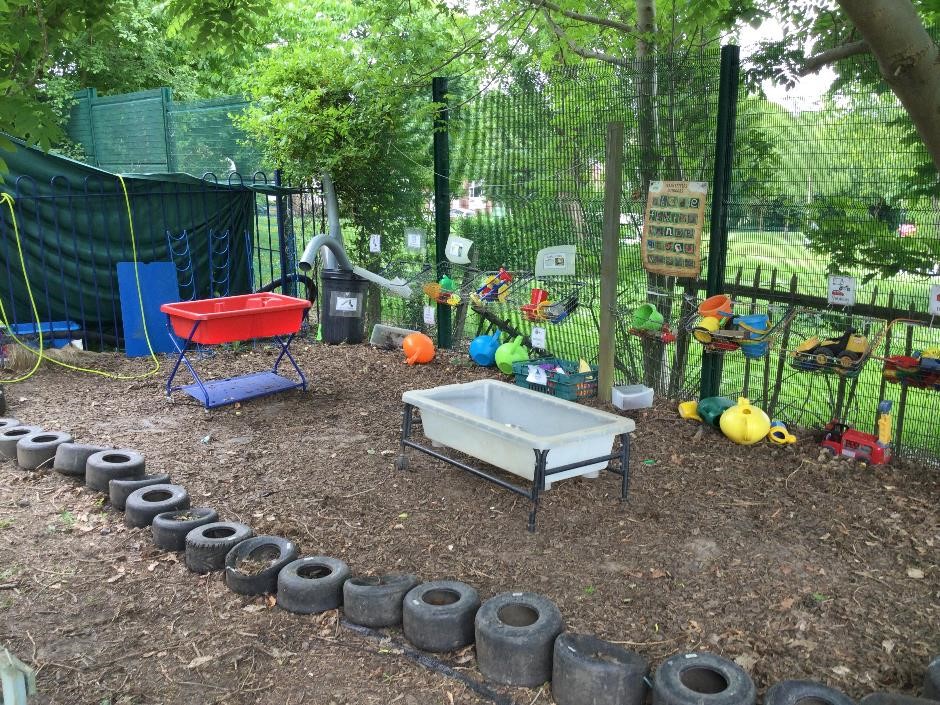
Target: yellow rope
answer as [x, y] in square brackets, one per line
[40, 356]
[8, 199]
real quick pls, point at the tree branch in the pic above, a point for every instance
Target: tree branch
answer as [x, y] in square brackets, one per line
[590, 19]
[580, 50]
[830, 56]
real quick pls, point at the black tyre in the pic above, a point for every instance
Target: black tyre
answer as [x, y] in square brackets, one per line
[71, 458]
[116, 464]
[311, 585]
[793, 692]
[376, 601]
[3, 401]
[932, 680]
[251, 568]
[6, 423]
[438, 616]
[37, 450]
[9, 437]
[144, 504]
[120, 490]
[589, 670]
[169, 529]
[207, 545]
[702, 679]
[515, 635]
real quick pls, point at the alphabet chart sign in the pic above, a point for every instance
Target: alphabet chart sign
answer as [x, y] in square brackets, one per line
[672, 228]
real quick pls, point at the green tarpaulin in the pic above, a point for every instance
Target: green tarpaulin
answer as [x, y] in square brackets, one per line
[74, 229]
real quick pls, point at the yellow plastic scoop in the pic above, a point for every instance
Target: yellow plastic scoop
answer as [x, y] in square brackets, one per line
[689, 410]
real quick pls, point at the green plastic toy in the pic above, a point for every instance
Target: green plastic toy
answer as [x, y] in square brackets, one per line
[711, 409]
[508, 353]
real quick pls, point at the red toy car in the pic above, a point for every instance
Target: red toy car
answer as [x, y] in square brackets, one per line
[842, 439]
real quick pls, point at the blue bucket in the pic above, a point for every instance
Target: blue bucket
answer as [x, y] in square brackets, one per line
[754, 350]
[756, 324]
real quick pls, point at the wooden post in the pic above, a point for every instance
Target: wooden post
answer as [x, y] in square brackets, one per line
[613, 183]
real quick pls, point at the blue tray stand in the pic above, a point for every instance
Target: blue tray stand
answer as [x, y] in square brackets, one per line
[220, 392]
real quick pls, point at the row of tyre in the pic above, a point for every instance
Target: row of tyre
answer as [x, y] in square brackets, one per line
[519, 636]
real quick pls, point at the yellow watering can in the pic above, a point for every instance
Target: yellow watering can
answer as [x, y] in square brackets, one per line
[745, 424]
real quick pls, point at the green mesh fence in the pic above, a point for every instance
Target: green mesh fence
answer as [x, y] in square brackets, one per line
[527, 172]
[203, 138]
[147, 132]
[837, 186]
[828, 188]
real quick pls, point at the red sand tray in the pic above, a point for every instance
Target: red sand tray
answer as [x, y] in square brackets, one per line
[231, 318]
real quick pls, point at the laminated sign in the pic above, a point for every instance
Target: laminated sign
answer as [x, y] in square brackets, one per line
[672, 228]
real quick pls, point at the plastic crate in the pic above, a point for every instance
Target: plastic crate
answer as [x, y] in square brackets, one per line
[572, 385]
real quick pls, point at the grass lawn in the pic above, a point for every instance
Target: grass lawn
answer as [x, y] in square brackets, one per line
[789, 254]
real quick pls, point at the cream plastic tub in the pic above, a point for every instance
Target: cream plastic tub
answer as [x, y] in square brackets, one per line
[502, 424]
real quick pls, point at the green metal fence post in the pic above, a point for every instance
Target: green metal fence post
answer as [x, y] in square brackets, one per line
[721, 186]
[169, 134]
[284, 243]
[441, 199]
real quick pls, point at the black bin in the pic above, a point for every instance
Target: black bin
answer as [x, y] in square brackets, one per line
[342, 302]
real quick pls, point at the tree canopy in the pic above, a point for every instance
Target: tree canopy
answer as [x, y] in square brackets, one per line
[343, 87]
[51, 48]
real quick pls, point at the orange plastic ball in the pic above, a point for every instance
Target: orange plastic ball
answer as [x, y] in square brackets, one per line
[419, 348]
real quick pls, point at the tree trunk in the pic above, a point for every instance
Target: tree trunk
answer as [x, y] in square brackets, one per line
[648, 137]
[908, 59]
[647, 122]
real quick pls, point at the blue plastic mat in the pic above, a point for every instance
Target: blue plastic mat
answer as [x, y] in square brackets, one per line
[158, 286]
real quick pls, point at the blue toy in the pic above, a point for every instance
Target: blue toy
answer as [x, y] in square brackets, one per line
[483, 349]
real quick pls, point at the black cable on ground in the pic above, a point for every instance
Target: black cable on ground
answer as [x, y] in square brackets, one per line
[435, 665]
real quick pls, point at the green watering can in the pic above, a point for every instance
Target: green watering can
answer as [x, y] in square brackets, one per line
[508, 353]
[711, 409]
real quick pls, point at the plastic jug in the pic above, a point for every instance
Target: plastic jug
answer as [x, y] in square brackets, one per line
[745, 424]
[508, 353]
[483, 349]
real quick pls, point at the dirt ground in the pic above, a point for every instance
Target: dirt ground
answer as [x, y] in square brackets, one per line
[792, 566]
